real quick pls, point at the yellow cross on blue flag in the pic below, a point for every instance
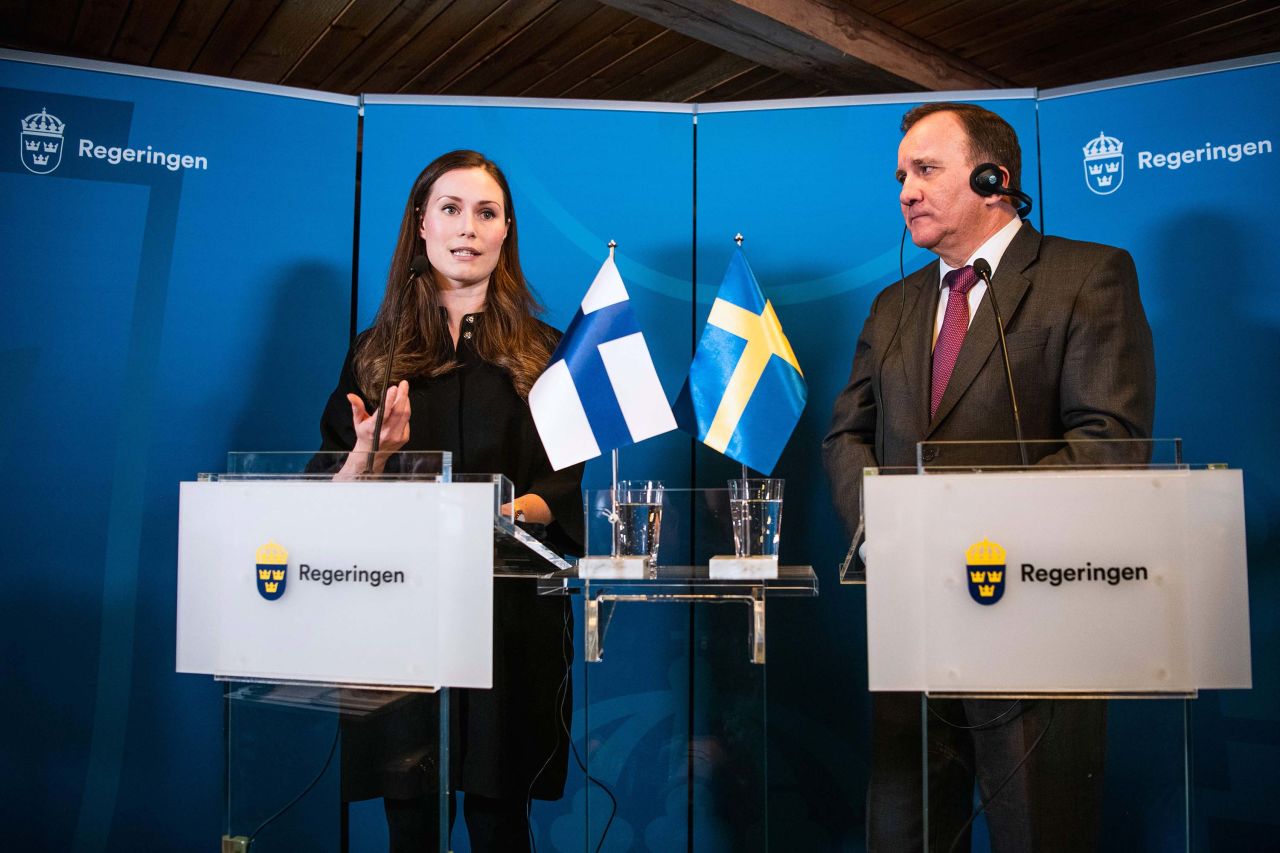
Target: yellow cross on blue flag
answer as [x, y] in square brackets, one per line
[745, 390]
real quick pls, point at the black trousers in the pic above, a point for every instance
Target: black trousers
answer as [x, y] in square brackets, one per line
[1052, 802]
[492, 824]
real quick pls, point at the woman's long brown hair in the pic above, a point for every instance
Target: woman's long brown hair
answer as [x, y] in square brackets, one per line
[510, 336]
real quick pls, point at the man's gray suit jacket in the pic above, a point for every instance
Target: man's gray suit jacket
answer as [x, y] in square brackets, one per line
[1081, 353]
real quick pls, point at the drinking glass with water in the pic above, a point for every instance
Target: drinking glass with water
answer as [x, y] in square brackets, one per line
[755, 507]
[637, 521]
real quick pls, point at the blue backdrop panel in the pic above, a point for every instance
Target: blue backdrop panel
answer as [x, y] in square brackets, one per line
[813, 192]
[160, 310]
[580, 176]
[1194, 174]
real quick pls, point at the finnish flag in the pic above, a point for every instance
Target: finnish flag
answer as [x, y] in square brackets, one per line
[601, 390]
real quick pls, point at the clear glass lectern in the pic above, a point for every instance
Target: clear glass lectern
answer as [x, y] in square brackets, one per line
[1012, 589]
[676, 745]
[294, 745]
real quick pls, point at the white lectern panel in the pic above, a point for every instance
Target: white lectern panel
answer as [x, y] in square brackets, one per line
[363, 583]
[1070, 581]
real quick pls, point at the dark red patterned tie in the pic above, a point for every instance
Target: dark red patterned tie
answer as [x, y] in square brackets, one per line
[954, 325]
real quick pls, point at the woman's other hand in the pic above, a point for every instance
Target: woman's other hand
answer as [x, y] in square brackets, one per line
[532, 507]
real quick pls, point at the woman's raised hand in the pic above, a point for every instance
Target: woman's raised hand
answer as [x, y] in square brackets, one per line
[395, 429]
[395, 421]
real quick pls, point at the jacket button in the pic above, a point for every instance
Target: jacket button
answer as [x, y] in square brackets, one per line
[471, 318]
[467, 335]
[929, 454]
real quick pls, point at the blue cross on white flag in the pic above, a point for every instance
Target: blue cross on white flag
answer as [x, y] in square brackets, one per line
[601, 390]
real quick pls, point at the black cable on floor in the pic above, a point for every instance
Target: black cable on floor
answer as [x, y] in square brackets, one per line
[566, 648]
[1017, 703]
[333, 747]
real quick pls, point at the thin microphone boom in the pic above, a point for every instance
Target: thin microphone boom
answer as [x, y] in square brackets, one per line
[417, 267]
[983, 269]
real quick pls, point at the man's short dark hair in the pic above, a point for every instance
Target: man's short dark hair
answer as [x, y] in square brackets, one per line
[991, 139]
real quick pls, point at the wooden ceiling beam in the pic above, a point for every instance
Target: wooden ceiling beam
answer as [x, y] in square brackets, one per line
[522, 54]
[1125, 46]
[97, 26]
[825, 41]
[187, 34]
[406, 22]
[344, 35]
[545, 56]
[471, 50]
[627, 66]
[578, 65]
[455, 20]
[295, 28]
[142, 30]
[235, 31]
[707, 76]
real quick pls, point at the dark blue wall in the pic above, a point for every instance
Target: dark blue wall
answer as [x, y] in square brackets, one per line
[156, 319]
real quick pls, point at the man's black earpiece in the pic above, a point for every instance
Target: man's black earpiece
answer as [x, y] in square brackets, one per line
[988, 180]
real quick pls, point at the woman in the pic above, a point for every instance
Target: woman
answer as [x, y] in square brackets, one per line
[468, 349]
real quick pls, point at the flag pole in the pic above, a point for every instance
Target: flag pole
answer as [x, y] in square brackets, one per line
[613, 491]
[613, 244]
[737, 238]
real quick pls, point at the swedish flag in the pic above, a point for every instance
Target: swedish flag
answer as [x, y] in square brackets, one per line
[745, 390]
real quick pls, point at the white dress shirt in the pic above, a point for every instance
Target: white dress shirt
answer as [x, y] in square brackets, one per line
[993, 250]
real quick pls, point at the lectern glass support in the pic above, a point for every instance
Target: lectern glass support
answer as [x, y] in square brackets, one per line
[677, 735]
[1016, 600]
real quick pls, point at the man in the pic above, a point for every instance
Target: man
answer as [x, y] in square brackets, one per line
[927, 367]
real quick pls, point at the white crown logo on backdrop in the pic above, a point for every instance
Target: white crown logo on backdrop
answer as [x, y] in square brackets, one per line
[1104, 164]
[41, 144]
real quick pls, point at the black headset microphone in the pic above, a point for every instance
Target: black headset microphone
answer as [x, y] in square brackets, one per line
[417, 267]
[987, 180]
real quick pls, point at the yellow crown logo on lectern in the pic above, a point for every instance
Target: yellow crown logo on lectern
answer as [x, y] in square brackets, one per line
[272, 554]
[986, 570]
[272, 570]
[984, 553]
